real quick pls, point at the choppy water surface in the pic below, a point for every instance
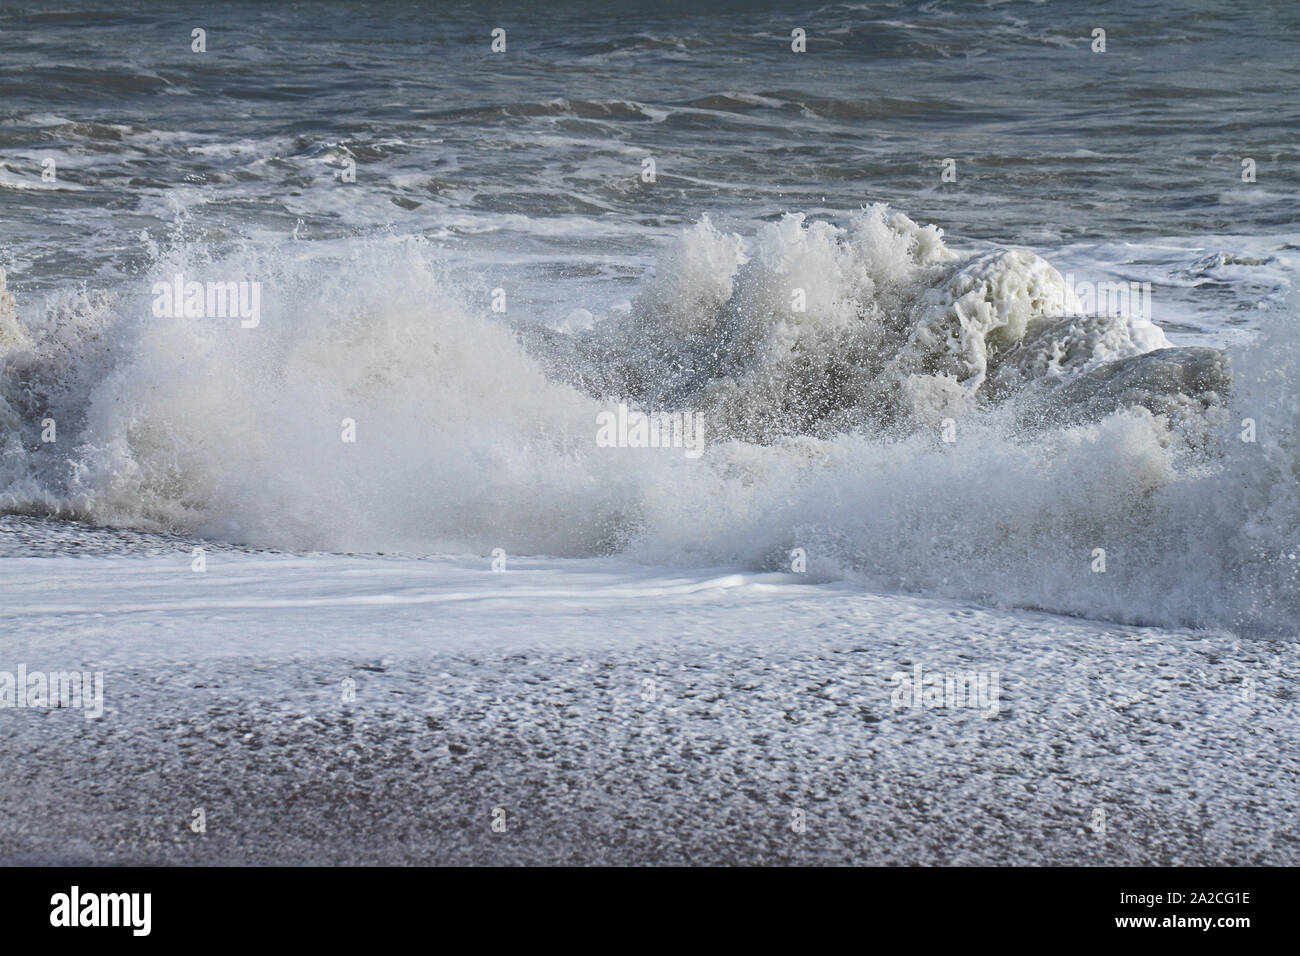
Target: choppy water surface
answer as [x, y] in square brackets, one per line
[523, 171]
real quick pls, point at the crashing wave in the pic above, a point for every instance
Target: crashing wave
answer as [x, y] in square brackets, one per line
[879, 325]
[928, 422]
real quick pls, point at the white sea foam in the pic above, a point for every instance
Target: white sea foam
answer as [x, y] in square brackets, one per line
[824, 425]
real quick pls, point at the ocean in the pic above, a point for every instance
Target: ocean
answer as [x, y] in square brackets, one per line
[500, 360]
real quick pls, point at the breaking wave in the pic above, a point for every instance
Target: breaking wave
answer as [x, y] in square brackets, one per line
[910, 418]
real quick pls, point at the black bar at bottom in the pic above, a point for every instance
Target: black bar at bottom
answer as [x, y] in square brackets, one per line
[349, 906]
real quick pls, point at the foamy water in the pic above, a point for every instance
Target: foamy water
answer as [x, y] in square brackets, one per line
[826, 426]
[939, 414]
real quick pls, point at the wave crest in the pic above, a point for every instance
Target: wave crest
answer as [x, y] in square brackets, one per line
[825, 424]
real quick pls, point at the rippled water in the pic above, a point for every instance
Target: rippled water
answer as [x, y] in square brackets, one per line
[533, 157]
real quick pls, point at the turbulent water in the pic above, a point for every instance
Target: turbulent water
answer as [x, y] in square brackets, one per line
[940, 413]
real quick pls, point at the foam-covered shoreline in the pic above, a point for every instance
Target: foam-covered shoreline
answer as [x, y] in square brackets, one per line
[327, 709]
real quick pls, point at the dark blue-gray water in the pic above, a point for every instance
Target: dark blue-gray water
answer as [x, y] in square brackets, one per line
[535, 154]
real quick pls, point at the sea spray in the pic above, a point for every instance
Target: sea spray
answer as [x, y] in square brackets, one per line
[896, 428]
